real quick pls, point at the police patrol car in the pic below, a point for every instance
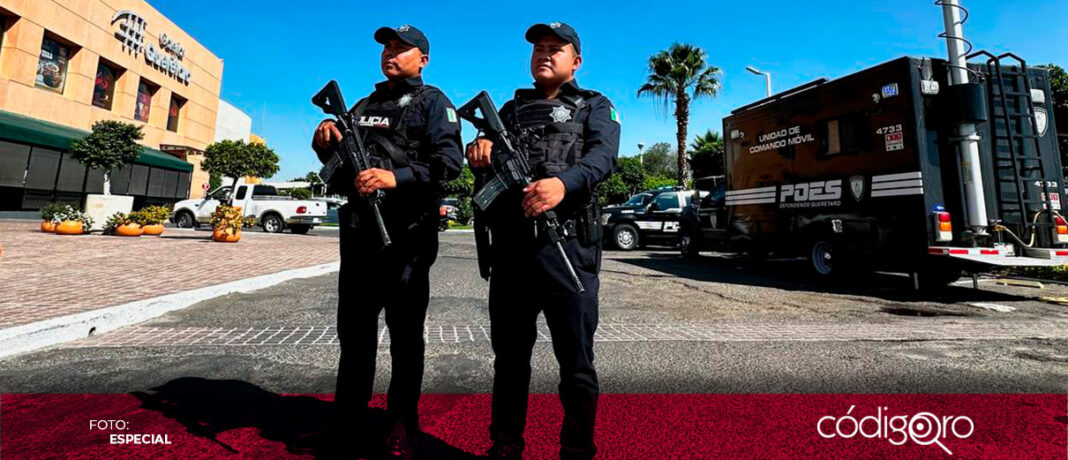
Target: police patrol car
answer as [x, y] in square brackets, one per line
[648, 217]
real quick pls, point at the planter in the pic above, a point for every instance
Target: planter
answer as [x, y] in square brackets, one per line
[70, 227]
[99, 207]
[48, 226]
[129, 230]
[225, 235]
[153, 230]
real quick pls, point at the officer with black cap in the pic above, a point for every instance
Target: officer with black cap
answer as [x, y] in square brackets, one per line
[571, 135]
[413, 136]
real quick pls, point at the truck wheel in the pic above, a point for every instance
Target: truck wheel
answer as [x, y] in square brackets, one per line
[821, 258]
[272, 223]
[625, 237]
[185, 219]
[300, 229]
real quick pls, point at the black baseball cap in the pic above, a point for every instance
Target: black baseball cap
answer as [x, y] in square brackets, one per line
[564, 31]
[407, 34]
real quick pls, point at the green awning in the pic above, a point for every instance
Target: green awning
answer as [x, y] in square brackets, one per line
[20, 128]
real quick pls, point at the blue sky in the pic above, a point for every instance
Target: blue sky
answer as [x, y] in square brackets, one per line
[277, 53]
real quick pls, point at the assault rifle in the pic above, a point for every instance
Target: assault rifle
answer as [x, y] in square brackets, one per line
[350, 155]
[511, 170]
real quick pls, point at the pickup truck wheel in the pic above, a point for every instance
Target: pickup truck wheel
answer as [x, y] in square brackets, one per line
[300, 229]
[625, 236]
[273, 224]
[822, 258]
[185, 219]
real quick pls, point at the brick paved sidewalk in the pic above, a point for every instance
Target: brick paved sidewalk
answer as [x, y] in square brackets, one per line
[45, 276]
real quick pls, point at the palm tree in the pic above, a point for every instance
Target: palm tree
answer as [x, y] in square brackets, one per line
[677, 76]
[707, 156]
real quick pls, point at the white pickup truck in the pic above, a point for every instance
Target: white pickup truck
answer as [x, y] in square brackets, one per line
[274, 213]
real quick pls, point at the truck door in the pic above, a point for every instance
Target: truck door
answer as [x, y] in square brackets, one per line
[665, 211]
[243, 198]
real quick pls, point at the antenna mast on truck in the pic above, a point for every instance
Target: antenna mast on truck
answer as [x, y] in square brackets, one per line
[971, 173]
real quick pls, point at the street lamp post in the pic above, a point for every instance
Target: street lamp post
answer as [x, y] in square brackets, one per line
[767, 78]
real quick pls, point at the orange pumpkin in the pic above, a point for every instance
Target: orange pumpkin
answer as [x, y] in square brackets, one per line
[153, 230]
[130, 229]
[225, 235]
[70, 227]
[48, 226]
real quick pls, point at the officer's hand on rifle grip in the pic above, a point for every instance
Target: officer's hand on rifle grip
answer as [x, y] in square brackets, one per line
[543, 195]
[478, 153]
[327, 135]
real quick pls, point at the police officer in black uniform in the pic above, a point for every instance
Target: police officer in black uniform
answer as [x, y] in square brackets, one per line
[572, 138]
[413, 136]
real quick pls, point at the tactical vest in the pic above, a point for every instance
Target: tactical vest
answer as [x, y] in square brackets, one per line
[385, 129]
[551, 132]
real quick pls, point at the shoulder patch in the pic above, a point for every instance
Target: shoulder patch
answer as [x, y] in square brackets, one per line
[450, 114]
[615, 116]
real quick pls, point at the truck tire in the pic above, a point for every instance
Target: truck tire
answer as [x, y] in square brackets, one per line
[185, 219]
[272, 223]
[300, 229]
[821, 258]
[625, 236]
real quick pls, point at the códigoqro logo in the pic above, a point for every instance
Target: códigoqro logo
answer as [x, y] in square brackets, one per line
[923, 428]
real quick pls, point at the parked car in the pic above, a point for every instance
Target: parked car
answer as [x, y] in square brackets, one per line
[648, 217]
[273, 212]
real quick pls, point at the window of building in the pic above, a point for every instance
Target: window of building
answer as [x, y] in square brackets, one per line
[52, 65]
[143, 107]
[104, 87]
[175, 112]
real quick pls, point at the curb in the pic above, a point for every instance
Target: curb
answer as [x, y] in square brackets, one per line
[54, 331]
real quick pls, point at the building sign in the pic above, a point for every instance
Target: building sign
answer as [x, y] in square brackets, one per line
[166, 57]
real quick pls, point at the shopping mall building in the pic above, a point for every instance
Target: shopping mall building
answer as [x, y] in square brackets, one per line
[65, 64]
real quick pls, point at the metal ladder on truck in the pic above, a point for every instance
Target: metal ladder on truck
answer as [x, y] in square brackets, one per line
[1023, 190]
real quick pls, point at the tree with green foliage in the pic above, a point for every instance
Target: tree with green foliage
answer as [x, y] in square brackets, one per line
[677, 76]
[301, 193]
[658, 160]
[312, 178]
[238, 159]
[1058, 82]
[463, 189]
[110, 145]
[626, 180]
[706, 158]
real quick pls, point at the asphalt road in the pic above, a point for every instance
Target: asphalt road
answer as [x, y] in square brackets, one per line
[712, 325]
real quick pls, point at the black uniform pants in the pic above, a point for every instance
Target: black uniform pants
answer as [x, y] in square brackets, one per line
[522, 285]
[395, 279]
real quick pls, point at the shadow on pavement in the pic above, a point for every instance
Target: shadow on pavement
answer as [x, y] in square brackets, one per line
[794, 276]
[209, 407]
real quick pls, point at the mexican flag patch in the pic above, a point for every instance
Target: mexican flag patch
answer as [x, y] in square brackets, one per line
[615, 116]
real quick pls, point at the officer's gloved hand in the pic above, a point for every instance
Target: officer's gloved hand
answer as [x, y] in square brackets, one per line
[327, 135]
[478, 153]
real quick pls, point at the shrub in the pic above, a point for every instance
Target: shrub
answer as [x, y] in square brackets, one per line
[227, 217]
[69, 213]
[153, 215]
[301, 193]
[119, 219]
[49, 211]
